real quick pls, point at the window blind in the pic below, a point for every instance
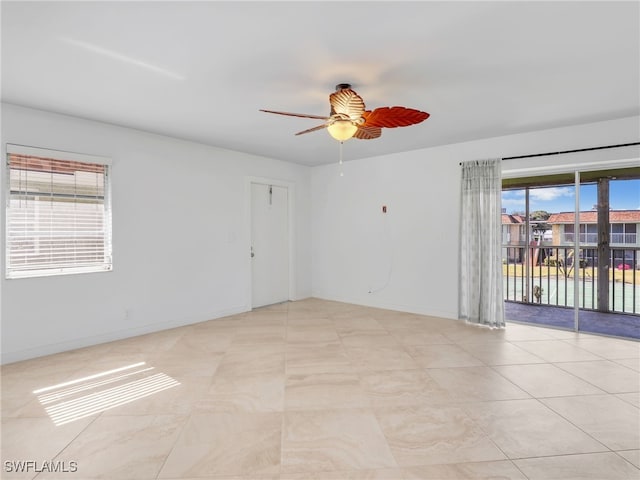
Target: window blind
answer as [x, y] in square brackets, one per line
[58, 215]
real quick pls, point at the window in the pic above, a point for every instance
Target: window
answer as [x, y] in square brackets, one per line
[58, 213]
[630, 231]
[588, 233]
[569, 233]
[522, 231]
[624, 233]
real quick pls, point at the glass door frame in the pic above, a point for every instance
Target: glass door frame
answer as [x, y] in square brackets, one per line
[576, 169]
[576, 253]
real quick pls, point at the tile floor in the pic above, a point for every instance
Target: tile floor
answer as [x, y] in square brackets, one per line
[325, 390]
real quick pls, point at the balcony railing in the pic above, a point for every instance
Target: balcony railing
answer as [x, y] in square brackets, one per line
[624, 238]
[592, 238]
[550, 277]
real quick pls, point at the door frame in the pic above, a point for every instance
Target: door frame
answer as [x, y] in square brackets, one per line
[291, 227]
[576, 169]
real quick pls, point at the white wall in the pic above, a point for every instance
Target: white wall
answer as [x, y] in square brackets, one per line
[180, 238]
[180, 230]
[408, 258]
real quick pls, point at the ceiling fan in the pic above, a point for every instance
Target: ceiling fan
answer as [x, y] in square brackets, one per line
[349, 118]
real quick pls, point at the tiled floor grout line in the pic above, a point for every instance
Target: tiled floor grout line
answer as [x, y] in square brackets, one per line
[294, 318]
[177, 437]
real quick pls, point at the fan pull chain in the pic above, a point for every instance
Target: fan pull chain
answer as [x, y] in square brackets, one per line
[341, 172]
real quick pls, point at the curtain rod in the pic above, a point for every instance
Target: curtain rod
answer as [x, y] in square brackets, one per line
[571, 151]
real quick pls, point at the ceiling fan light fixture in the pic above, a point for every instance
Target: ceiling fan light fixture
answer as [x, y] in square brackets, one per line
[342, 130]
[349, 117]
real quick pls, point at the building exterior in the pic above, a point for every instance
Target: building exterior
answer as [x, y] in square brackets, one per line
[625, 226]
[624, 240]
[513, 233]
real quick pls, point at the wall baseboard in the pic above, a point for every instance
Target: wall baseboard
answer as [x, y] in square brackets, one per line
[418, 310]
[83, 342]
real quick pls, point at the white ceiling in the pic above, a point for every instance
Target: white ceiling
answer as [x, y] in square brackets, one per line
[201, 70]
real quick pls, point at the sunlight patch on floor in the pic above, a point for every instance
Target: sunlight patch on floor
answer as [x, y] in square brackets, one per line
[84, 397]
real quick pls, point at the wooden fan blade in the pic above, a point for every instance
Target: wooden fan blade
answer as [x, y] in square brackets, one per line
[347, 102]
[392, 117]
[367, 133]
[309, 130]
[303, 115]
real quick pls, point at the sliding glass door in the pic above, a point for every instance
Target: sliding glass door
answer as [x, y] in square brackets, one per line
[610, 297]
[571, 252]
[538, 274]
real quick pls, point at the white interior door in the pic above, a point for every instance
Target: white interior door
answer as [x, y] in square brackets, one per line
[269, 244]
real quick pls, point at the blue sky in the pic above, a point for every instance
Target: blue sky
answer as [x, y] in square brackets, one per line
[624, 195]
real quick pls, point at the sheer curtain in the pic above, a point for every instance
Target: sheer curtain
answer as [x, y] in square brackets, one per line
[480, 273]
